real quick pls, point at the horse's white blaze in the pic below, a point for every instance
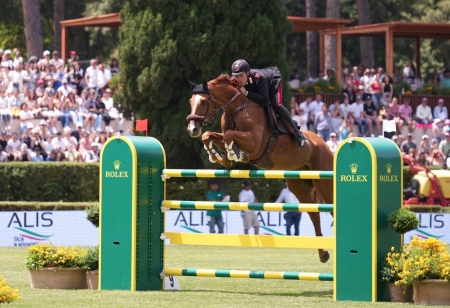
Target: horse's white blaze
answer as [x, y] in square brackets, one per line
[197, 101]
[191, 126]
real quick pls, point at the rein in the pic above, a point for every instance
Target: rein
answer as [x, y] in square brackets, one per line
[215, 112]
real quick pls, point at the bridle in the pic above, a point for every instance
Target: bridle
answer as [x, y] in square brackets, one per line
[213, 113]
[217, 110]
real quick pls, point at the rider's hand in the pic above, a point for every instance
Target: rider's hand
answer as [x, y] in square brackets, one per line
[243, 91]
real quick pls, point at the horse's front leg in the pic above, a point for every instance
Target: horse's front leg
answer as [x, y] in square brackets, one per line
[213, 143]
[234, 138]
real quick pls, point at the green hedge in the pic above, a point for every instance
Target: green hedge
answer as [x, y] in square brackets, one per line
[266, 190]
[6, 206]
[68, 182]
[79, 182]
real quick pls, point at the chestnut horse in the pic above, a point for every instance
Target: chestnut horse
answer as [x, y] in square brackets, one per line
[246, 137]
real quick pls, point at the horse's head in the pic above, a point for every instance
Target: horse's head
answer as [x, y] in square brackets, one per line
[199, 102]
[204, 107]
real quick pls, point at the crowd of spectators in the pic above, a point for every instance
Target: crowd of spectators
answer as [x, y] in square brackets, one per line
[367, 100]
[74, 107]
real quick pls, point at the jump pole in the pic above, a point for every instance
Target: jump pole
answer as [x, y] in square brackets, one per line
[367, 187]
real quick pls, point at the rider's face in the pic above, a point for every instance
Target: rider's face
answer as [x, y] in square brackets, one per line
[241, 78]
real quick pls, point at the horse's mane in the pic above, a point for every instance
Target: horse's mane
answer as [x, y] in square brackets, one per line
[224, 79]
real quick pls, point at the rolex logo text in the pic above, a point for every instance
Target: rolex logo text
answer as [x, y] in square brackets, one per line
[117, 173]
[389, 177]
[354, 177]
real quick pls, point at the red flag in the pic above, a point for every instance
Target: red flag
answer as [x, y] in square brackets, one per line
[142, 125]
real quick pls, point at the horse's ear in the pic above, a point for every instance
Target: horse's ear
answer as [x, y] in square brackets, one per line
[205, 86]
[191, 84]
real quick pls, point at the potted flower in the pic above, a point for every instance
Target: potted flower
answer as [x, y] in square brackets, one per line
[56, 267]
[90, 264]
[7, 294]
[390, 272]
[428, 270]
[401, 221]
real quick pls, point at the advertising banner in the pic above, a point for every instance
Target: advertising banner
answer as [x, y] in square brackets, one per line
[71, 227]
[66, 228]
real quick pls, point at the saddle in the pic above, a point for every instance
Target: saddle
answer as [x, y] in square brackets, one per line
[278, 127]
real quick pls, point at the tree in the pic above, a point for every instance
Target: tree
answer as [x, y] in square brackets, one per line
[58, 16]
[312, 43]
[33, 31]
[365, 43]
[163, 44]
[333, 7]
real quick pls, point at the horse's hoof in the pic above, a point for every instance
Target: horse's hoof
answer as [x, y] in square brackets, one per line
[325, 257]
[230, 156]
[212, 160]
[229, 146]
[218, 156]
[243, 157]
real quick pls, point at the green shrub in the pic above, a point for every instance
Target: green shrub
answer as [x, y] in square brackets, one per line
[428, 88]
[444, 91]
[401, 86]
[93, 214]
[90, 260]
[403, 220]
[8, 206]
[69, 182]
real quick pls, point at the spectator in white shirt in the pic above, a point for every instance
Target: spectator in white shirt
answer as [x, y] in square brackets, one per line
[440, 114]
[249, 218]
[70, 140]
[16, 78]
[25, 116]
[91, 76]
[292, 218]
[333, 143]
[7, 62]
[306, 105]
[423, 114]
[357, 114]
[46, 60]
[13, 147]
[93, 156]
[316, 106]
[56, 61]
[59, 141]
[64, 89]
[103, 78]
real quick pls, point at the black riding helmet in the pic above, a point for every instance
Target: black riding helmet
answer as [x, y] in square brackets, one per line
[239, 66]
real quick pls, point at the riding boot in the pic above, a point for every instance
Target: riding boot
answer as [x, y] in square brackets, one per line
[285, 115]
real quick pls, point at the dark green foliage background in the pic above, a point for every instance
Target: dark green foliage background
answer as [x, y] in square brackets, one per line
[79, 182]
[164, 42]
[69, 182]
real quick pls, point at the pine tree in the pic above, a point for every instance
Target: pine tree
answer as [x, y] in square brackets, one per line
[164, 42]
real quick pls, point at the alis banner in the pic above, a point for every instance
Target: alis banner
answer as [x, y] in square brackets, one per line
[431, 225]
[66, 228]
[271, 223]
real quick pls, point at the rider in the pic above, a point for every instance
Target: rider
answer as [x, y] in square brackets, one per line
[263, 86]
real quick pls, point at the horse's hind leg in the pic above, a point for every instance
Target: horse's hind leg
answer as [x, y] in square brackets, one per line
[303, 190]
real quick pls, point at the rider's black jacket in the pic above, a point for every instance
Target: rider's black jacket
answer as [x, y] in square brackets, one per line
[262, 84]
